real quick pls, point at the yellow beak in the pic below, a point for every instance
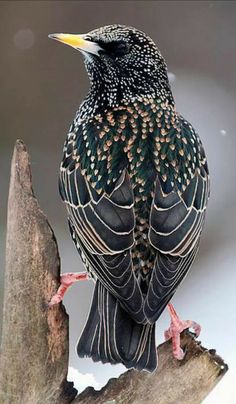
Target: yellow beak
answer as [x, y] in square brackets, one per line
[77, 42]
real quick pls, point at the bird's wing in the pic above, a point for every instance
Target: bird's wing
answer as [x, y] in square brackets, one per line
[102, 225]
[103, 222]
[176, 221]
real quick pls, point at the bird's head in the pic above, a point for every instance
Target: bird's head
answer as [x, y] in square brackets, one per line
[122, 62]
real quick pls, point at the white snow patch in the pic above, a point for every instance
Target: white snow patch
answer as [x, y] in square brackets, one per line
[82, 380]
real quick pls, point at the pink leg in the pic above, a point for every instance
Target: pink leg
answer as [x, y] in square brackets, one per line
[66, 281]
[175, 329]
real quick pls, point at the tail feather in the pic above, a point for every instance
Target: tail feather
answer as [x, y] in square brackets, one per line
[110, 335]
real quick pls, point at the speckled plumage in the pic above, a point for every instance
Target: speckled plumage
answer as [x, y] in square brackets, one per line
[134, 178]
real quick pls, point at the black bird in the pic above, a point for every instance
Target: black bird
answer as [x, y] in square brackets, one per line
[134, 179]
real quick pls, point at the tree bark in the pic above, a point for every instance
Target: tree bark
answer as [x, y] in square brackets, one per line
[34, 349]
[35, 345]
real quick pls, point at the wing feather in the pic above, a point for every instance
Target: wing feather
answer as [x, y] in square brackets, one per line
[102, 227]
[176, 221]
[167, 274]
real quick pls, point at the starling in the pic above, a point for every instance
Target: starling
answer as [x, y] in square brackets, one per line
[134, 179]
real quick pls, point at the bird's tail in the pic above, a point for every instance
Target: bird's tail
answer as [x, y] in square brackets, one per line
[110, 335]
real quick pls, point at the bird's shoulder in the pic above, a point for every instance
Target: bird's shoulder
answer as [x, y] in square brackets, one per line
[181, 191]
[104, 144]
[96, 145]
[180, 153]
[140, 132]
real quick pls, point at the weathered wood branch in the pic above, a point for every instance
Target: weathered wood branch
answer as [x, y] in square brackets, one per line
[174, 382]
[35, 346]
[34, 349]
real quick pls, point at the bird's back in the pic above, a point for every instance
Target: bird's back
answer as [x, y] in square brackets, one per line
[149, 140]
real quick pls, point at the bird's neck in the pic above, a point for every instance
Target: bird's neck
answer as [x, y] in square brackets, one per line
[111, 91]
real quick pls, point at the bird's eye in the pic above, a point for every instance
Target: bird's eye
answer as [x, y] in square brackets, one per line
[121, 48]
[116, 48]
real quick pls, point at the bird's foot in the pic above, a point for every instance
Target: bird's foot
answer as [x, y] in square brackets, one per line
[175, 329]
[66, 280]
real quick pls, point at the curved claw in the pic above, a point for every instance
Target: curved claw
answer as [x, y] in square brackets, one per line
[175, 329]
[66, 281]
[57, 298]
[196, 328]
[179, 354]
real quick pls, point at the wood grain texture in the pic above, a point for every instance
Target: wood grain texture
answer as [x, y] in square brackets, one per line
[34, 350]
[175, 382]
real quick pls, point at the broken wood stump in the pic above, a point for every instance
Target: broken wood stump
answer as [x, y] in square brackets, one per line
[35, 347]
[35, 344]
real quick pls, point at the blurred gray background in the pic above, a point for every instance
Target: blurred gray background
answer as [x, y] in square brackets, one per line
[42, 84]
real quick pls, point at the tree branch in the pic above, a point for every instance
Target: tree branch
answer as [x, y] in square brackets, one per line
[35, 346]
[175, 382]
[34, 350]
